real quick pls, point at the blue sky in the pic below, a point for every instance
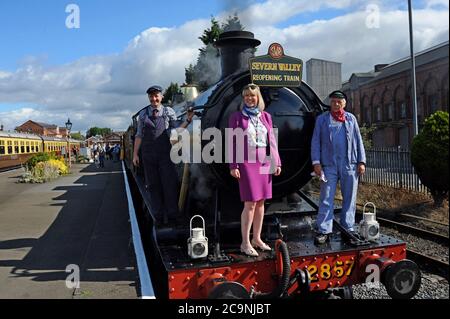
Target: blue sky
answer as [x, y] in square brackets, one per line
[37, 28]
[50, 72]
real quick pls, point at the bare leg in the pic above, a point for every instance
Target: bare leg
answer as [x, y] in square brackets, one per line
[258, 222]
[246, 222]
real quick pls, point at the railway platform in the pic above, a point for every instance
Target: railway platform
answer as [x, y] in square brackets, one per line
[49, 231]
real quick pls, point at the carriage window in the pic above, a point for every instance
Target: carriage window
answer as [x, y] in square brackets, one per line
[32, 148]
[28, 148]
[37, 148]
[22, 149]
[2, 148]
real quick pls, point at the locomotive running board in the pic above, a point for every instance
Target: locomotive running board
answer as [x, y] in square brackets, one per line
[351, 238]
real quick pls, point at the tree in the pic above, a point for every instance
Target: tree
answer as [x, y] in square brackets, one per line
[189, 74]
[207, 70]
[170, 92]
[429, 155]
[366, 134]
[77, 136]
[94, 131]
[210, 35]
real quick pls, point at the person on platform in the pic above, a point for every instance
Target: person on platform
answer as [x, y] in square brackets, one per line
[153, 131]
[337, 154]
[254, 172]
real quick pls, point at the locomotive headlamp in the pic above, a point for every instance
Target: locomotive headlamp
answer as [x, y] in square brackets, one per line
[369, 228]
[198, 242]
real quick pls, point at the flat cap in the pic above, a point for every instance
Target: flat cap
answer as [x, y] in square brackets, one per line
[338, 94]
[154, 88]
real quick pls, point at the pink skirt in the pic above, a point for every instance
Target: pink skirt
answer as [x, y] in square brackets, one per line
[255, 183]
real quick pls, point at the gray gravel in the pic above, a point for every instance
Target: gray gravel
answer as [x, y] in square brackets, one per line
[432, 287]
[430, 247]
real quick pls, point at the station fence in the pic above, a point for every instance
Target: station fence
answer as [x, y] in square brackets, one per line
[392, 167]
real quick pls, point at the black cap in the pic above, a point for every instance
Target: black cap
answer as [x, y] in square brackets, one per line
[154, 88]
[338, 94]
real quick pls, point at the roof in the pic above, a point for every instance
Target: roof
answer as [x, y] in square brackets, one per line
[45, 125]
[424, 57]
[19, 135]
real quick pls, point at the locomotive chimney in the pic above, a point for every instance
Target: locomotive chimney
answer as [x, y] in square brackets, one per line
[235, 48]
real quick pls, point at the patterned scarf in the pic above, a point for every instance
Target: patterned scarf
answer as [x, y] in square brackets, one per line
[251, 111]
[339, 115]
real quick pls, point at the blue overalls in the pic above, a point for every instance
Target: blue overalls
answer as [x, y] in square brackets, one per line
[347, 174]
[160, 173]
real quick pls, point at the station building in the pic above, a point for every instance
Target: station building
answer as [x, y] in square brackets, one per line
[382, 97]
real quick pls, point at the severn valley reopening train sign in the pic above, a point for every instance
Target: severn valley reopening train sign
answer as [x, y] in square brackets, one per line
[276, 69]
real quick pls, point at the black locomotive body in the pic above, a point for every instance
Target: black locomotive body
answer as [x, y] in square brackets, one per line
[296, 266]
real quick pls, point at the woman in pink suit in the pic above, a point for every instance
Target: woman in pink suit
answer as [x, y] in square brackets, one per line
[251, 166]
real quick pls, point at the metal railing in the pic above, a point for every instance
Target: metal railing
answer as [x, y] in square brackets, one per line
[392, 167]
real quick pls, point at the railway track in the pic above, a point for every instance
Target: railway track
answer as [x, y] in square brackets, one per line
[423, 233]
[434, 264]
[431, 263]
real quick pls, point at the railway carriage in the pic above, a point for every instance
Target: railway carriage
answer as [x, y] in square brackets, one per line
[17, 148]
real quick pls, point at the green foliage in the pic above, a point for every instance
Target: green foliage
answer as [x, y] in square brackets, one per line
[77, 136]
[189, 74]
[39, 157]
[44, 171]
[206, 71]
[170, 92]
[212, 34]
[430, 155]
[366, 134]
[94, 131]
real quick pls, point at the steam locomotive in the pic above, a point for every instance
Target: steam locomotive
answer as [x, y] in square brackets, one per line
[205, 261]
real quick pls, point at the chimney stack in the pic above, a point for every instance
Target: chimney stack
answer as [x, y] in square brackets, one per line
[235, 48]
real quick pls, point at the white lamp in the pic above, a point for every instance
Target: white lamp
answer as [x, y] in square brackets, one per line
[198, 242]
[369, 228]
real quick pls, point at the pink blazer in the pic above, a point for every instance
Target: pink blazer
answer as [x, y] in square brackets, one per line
[237, 119]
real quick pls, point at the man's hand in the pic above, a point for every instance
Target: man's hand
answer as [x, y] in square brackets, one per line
[361, 168]
[190, 114]
[135, 160]
[235, 173]
[318, 169]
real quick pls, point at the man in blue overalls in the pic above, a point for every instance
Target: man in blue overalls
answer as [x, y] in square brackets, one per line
[337, 154]
[153, 135]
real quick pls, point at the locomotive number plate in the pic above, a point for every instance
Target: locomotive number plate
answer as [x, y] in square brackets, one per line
[326, 271]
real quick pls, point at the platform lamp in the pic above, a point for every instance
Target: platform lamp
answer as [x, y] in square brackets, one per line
[69, 127]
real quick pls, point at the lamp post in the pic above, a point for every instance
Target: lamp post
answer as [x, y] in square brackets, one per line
[69, 127]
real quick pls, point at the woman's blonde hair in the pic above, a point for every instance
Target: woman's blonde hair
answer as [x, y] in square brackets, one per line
[253, 89]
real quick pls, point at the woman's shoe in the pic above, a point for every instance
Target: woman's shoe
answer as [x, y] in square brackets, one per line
[249, 251]
[263, 246]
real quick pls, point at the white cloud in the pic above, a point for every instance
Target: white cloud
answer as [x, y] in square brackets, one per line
[107, 90]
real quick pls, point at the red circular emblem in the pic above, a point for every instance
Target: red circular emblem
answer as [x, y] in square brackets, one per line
[276, 51]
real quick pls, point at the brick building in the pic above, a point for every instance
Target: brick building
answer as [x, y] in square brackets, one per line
[382, 97]
[42, 129]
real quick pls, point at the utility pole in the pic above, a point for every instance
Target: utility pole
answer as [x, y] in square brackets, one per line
[413, 71]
